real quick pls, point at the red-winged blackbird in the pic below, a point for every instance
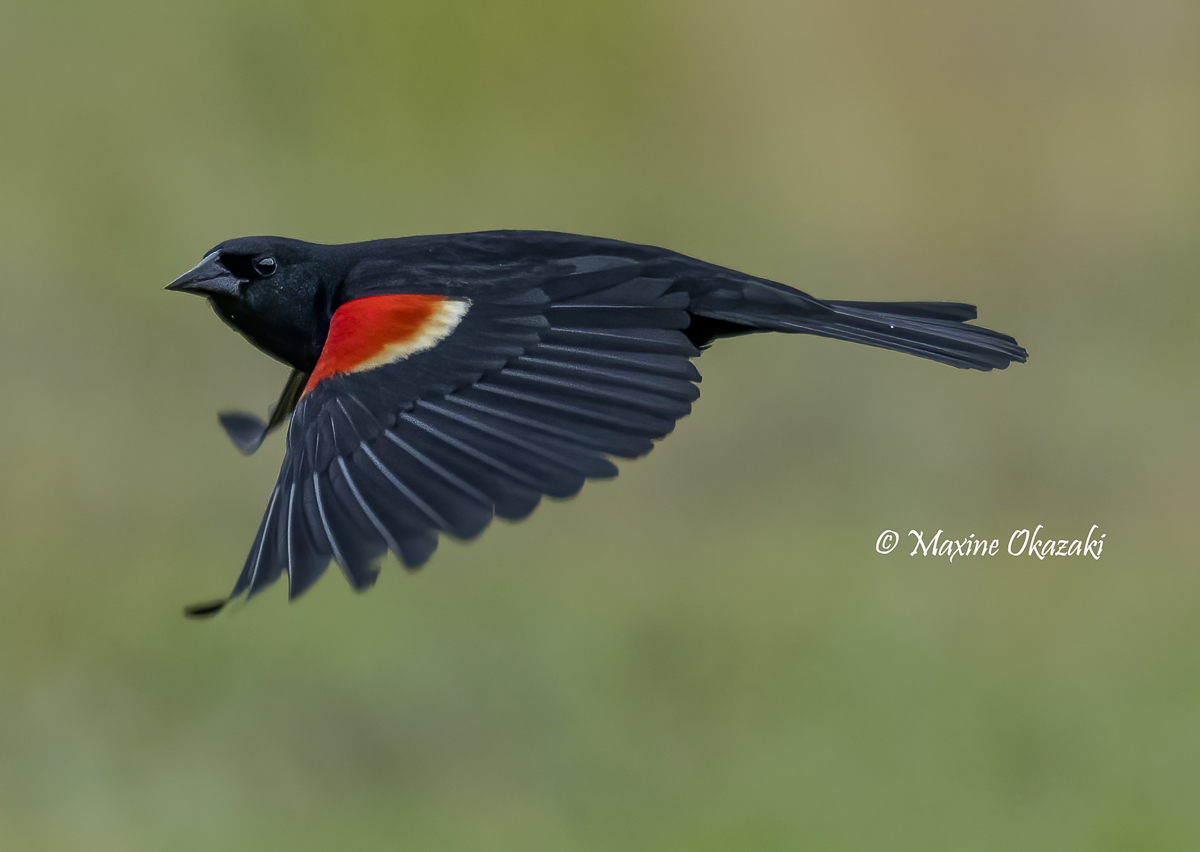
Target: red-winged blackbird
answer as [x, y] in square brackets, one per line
[440, 381]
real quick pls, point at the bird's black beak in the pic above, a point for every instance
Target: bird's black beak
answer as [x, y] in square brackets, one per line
[208, 278]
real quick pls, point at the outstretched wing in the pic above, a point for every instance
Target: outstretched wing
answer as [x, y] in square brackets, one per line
[431, 413]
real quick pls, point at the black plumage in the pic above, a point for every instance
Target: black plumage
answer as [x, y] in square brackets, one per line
[542, 357]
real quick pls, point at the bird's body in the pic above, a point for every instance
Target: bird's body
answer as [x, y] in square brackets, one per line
[440, 381]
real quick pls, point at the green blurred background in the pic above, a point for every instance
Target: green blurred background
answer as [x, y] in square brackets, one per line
[706, 653]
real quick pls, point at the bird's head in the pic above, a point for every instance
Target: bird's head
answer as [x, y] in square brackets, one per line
[277, 292]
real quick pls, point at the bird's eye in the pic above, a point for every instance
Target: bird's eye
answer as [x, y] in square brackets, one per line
[265, 266]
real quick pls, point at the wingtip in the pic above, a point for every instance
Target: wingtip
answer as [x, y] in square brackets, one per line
[205, 610]
[245, 430]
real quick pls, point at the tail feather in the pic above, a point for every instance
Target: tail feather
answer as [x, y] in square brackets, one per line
[938, 331]
[956, 311]
[933, 330]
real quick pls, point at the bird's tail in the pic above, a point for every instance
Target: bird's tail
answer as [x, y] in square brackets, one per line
[934, 330]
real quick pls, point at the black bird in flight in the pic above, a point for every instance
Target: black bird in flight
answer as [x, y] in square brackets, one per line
[439, 381]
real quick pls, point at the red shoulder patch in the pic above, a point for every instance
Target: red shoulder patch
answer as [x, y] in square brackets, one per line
[377, 330]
